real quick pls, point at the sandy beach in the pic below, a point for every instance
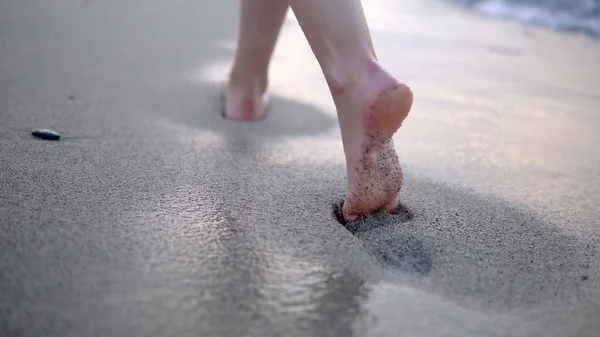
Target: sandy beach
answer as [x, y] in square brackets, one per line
[154, 216]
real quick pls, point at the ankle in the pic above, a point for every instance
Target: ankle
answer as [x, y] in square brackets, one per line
[354, 77]
[248, 84]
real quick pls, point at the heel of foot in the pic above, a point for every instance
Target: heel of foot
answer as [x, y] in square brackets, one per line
[388, 111]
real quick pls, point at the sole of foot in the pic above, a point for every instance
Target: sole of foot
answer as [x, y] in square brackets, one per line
[375, 178]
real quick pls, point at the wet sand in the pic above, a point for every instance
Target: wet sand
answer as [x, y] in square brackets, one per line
[153, 216]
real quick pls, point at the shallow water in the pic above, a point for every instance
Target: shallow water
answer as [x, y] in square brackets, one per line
[564, 15]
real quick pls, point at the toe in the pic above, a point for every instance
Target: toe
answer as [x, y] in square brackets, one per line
[240, 108]
[245, 110]
[392, 205]
[348, 215]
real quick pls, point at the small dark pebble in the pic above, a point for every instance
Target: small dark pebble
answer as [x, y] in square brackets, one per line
[46, 134]
[71, 97]
[584, 277]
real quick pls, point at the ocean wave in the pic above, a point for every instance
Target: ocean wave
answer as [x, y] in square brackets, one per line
[564, 15]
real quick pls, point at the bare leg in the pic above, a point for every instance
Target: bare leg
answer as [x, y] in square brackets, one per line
[371, 104]
[260, 23]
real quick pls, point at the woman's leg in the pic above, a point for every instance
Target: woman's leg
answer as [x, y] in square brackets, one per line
[260, 23]
[371, 104]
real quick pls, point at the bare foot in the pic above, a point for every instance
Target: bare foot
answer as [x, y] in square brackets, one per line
[244, 100]
[374, 173]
